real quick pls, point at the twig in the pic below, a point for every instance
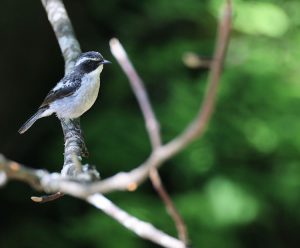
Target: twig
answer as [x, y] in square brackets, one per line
[196, 128]
[16, 171]
[195, 61]
[141, 228]
[42, 180]
[172, 210]
[139, 90]
[47, 198]
[64, 32]
[152, 127]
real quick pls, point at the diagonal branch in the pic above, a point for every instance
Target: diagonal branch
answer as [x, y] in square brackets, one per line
[64, 32]
[171, 208]
[152, 126]
[197, 127]
[139, 91]
[141, 228]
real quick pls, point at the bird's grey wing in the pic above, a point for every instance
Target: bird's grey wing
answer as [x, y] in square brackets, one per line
[63, 89]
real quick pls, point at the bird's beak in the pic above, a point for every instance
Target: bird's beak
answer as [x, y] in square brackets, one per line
[105, 62]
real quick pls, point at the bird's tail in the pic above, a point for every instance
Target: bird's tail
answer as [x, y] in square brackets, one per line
[32, 120]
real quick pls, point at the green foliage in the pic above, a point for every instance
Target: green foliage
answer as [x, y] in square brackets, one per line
[257, 17]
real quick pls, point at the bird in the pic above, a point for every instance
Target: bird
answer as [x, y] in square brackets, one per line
[75, 93]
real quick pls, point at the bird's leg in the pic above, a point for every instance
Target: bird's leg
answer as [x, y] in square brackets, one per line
[84, 150]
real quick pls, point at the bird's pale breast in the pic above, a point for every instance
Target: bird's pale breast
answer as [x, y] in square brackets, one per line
[82, 100]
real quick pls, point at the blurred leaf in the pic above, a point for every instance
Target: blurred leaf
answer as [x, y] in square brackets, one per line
[258, 17]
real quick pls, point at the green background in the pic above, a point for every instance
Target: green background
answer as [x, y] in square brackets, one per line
[238, 186]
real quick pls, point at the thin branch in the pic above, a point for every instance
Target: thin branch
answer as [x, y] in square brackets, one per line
[194, 61]
[152, 126]
[171, 208]
[44, 181]
[196, 128]
[141, 228]
[47, 198]
[16, 171]
[64, 32]
[139, 90]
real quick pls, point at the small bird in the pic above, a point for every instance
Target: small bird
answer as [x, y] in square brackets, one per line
[75, 93]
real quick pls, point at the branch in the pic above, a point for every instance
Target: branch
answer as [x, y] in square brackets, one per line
[44, 181]
[139, 90]
[171, 208]
[11, 170]
[64, 32]
[141, 228]
[152, 126]
[196, 128]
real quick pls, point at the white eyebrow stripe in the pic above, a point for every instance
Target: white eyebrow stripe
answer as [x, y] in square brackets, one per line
[85, 59]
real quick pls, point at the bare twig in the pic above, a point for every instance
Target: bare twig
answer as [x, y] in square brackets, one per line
[139, 90]
[172, 210]
[64, 32]
[141, 228]
[16, 171]
[194, 61]
[152, 126]
[42, 180]
[196, 128]
[47, 198]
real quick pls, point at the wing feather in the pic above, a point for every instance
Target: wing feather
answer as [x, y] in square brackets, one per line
[63, 89]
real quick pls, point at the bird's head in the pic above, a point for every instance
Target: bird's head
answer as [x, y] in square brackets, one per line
[90, 61]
